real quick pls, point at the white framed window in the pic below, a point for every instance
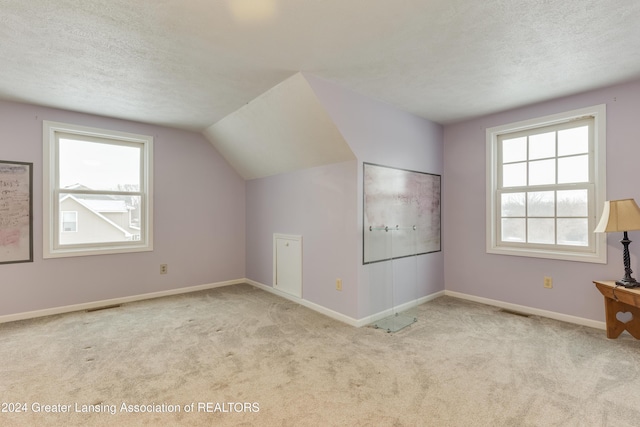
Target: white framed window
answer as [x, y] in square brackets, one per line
[69, 221]
[101, 178]
[546, 186]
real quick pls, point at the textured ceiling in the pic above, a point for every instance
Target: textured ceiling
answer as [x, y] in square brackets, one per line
[190, 63]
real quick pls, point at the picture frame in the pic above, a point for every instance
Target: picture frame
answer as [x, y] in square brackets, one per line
[16, 212]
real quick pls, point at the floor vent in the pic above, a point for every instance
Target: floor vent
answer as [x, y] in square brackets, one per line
[515, 313]
[106, 307]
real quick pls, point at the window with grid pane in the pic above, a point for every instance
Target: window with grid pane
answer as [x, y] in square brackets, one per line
[545, 186]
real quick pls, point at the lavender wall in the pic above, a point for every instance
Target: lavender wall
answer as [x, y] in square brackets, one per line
[379, 133]
[199, 206]
[320, 204]
[518, 280]
[324, 205]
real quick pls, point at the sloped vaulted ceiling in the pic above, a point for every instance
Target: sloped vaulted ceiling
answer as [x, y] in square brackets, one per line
[283, 130]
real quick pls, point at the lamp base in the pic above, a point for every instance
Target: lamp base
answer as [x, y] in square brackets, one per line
[628, 283]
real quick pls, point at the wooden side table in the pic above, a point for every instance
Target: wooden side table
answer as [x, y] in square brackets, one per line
[618, 299]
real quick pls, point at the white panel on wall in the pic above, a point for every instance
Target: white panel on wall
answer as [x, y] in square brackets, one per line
[287, 264]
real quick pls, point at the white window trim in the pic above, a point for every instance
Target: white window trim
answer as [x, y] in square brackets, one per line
[599, 254]
[50, 225]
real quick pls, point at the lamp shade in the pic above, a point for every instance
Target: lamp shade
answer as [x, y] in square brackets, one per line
[619, 215]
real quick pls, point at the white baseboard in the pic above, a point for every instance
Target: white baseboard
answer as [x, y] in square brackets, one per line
[530, 310]
[113, 301]
[311, 305]
[403, 307]
[339, 316]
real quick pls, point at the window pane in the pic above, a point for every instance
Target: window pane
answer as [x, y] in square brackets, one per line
[514, 175]
[573, 203]
[573, 141]
[69, 221]
[98, 166]
[542, 172]
[541, 231]
[512, 204]
[513, 230]
[68, 216]
[541, 203]
[573, 169]
[514, 150]
[104, 218]
[542, 145]
[554, 162]
[106, 177]
[573, 231]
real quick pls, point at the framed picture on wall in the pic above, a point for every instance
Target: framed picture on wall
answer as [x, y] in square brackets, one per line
[16, 212]
[401, 213]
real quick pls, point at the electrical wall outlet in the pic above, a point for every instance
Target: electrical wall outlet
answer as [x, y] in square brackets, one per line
[338, 284]
[547, 282]
[164, 268]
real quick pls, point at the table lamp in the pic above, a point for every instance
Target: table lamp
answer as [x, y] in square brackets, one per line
[621, 215]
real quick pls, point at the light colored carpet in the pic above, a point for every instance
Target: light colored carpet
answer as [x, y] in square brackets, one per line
[461, 364]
